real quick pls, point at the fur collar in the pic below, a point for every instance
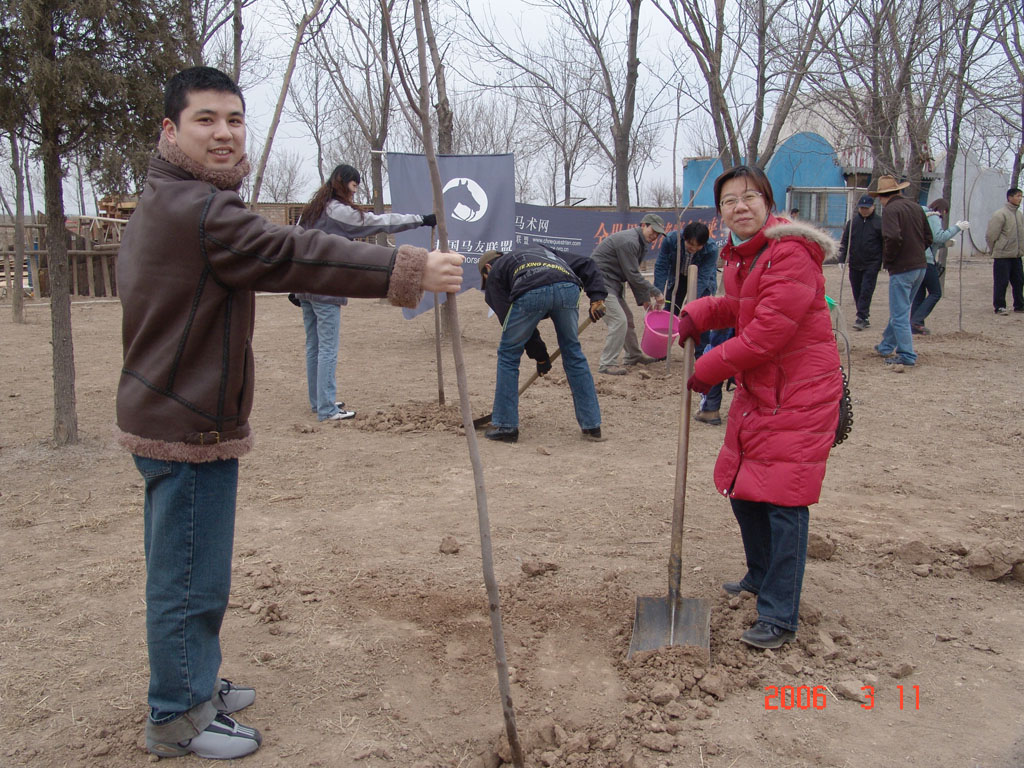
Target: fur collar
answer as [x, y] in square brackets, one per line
[229, 178]
[781, 228]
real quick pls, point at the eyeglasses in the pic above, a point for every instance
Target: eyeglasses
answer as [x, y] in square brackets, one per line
[747, 198]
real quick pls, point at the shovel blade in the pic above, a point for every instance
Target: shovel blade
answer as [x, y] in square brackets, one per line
[655, 627]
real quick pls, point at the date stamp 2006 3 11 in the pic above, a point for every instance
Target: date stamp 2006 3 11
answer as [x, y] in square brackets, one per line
[806, 697]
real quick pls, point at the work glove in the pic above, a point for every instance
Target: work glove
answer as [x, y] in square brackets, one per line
[964, 225]
[543, 366]
[597, 310]
[695, 384]
[429, 220]
[294, 299]
[688, 330]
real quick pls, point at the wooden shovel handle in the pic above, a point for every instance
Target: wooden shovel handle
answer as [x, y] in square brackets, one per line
[675, 561]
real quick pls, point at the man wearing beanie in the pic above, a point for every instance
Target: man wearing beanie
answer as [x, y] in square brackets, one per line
[190, 262]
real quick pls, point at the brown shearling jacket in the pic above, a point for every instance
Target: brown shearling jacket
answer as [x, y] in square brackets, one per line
[190, 261]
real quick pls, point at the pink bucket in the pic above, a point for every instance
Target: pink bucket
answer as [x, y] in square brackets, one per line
[660, 329]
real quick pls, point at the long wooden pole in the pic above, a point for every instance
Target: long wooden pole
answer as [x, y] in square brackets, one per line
[486, 553]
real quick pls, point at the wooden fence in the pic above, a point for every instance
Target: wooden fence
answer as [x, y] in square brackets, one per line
[92, 257]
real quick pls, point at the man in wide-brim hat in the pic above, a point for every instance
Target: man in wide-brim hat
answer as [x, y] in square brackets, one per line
[905, 236]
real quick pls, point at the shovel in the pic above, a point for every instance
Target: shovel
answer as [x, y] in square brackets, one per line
[675, 620]
[484, 420]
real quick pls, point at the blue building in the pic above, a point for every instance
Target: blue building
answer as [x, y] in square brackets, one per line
[803, 160]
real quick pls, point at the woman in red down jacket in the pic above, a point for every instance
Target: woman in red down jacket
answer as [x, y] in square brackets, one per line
[783, 417]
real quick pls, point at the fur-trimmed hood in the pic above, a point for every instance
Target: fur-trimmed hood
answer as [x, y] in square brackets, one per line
[783, 228]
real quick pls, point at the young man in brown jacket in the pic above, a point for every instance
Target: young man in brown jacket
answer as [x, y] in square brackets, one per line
[190, 261]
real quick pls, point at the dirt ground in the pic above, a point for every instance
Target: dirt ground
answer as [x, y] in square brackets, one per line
[370, 647]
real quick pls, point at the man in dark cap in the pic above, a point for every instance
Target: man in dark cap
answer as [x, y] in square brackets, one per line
[618, 257]
[861, 249]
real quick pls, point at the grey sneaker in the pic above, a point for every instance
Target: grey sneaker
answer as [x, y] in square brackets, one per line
[613, 370]
[232, 698]
[860, 325]
[224, 739]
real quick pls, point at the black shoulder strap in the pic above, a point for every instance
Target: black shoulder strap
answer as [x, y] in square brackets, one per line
[757, 256]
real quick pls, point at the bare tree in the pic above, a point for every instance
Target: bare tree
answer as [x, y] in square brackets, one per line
[750, 56]
[283, 179]
[599, 43]
[353, 52]
[1009, 28]
[661, 194]
[313, 104]
[970, 19]
[307, 18]
[874, 71]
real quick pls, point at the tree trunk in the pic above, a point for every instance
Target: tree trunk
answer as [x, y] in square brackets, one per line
[65, 416]
[18, 295]
[236, 23]
[443, 109]
[622, 130]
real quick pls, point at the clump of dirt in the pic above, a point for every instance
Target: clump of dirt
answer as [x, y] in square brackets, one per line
[413, 417]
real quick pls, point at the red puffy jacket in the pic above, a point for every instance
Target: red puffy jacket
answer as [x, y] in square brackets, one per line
[783, 417]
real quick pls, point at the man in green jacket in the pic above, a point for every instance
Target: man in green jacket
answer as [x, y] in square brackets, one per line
[1005, 238]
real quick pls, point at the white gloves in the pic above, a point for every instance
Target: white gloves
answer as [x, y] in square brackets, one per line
[964, 225]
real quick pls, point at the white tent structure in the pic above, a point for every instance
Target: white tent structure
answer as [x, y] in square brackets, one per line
[977, 193]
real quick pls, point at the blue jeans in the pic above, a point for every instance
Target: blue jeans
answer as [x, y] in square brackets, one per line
[189, 517]
[775, 543]
[897, 335]
[560, 302]
[712, 401]
[923, 305]
[322, 322]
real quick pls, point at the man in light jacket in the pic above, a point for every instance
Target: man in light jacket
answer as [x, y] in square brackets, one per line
[1005, 238]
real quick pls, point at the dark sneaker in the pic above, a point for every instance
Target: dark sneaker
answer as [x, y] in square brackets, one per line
[503, 434]
[919, 329]
[1002, 311]
[860, 325]
[712, 418]
[224, 739]
[897, 363]
[593, 435]
[765, 635]
[232, 698]
[890, 353]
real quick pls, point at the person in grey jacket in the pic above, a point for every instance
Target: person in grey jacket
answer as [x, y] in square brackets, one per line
[618, 257]
[1005, 238]
[332, 209]
[930, 292]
